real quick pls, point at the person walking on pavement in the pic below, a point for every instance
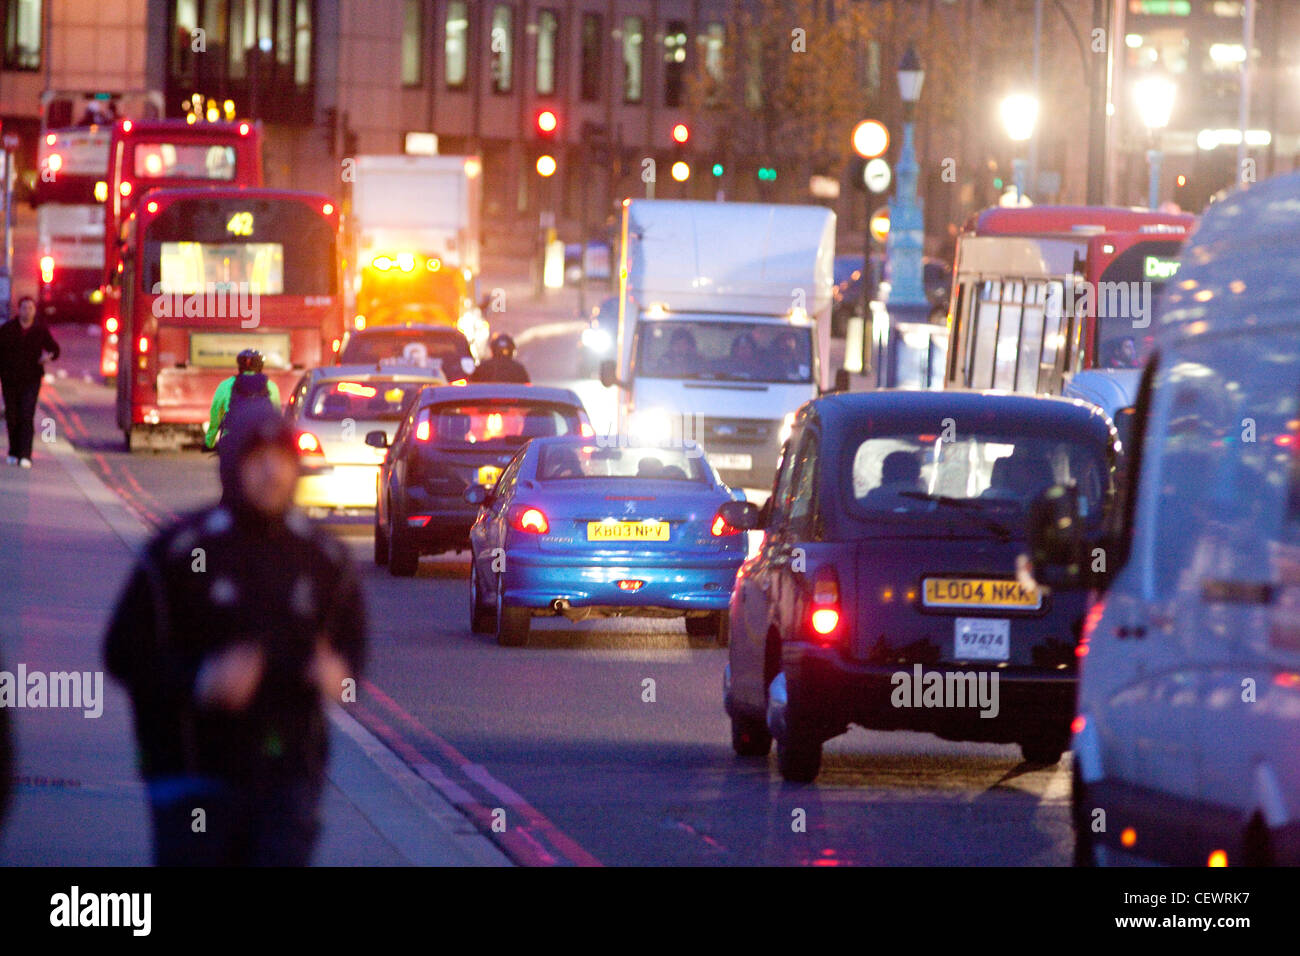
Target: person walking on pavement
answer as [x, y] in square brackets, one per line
[501, 367]
[237, 624]
[247, 382]
[24, 344]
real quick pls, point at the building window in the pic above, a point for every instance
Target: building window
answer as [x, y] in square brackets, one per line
[674, 62]
[503, 48]
[257, 53]
[548, 29]
[711, 41]
[23, 35]
[412, 31]
[593, 35]
[753, 72]
[457, 44]
[633, 59]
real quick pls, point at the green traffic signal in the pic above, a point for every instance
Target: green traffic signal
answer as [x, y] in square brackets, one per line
[997, 182]
[717, 169]
[767, 174]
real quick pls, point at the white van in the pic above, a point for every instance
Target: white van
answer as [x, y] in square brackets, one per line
[1187, 739]
[724, 326]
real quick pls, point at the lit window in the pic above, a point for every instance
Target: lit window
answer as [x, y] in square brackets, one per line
[412, 30]
[503, 48]
[548, 28]
[674, 62]
[633, 58]
[23, 35]
[457, 44]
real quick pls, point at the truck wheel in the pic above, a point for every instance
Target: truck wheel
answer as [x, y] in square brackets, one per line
[513, 623]
[709, 630]
[403, 556]
[480, 614]
[799, 757]
[1046, 747]
[750, 737]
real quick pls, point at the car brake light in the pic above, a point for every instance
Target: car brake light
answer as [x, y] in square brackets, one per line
[309, 444]
[630, 585]
[1090, 622]
[422, 431]
[47, 268]
[530, 520]
[1077, 725]
[721, 528]
[825, 615]
[587, 431]
[460, 381]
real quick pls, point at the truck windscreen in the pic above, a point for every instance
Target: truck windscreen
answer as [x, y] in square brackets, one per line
[724, 351]
[272, 247]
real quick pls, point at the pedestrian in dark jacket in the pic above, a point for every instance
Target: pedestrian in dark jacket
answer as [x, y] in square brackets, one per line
[236, 626]
[24, 343]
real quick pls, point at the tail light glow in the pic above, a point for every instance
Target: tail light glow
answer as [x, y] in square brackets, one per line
[47, 269]
[825, 617]
[125, 187]
[418, 521]
[309, 444]
[587, 431]
[334, 346]
[110, 325]
[243, 129]
[720, 527]
[1129, 837]
[1077, 725]
[1218, 858]
[142, 346]
[528, 519]
[126, 126]
[422, 431]
[1090, 622]
[50, 139]
[152, 206]
[630, 585]
[327, 209]
[459, 381]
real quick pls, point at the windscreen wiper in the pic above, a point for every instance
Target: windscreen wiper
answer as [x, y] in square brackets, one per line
[968, 506]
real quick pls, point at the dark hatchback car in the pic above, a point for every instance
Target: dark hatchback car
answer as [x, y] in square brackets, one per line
[419, 345]
[885, 591]
[455, 436]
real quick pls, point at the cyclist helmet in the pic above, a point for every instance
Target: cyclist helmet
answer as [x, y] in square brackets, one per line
[503, 346]
[249, 360]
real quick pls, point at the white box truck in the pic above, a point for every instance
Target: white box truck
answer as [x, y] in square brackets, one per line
[724, 326]
[415, 234]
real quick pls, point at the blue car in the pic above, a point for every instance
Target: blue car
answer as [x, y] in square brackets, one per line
[581, 528]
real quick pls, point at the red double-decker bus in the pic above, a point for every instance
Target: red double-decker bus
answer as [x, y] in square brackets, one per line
[1042, 292]
[151, 154]
[207, 273]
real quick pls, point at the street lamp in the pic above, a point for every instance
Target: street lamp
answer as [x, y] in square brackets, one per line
[870, 141]
[1019, 115]
[1155, 103]
[906, 213]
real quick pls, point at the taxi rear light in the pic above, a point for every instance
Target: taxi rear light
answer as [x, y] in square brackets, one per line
[529, 520]
[1090, 622]
[422, 431]
[825, 619]
[309, 444]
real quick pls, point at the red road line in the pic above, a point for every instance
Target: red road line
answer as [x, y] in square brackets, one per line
[537, 821]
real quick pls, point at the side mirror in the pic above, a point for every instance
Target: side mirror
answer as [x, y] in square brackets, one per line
[842, 381]
[477, 495]
[741, 514]
[609, 373]
[1058, 548]
[377, 438]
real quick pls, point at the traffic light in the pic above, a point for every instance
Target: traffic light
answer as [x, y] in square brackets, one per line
[767, 174]
[548, 124]
[681, 171]
[546, 165]
[718, 170]
[681, 133]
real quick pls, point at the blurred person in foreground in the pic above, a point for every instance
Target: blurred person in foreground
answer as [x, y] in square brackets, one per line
[238, 623]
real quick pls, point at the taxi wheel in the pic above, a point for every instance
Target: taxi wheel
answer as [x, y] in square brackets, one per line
[481, 615]
[513, 623]
[709, 630]
[799, 757]
[403, 558]
[381, 544]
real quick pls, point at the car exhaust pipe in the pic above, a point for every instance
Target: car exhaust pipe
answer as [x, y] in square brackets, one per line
[560, 604]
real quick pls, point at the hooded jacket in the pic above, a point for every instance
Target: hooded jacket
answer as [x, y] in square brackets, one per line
[229, 575]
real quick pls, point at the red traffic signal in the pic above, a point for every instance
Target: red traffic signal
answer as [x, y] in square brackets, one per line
[681, 133]
[547, 122]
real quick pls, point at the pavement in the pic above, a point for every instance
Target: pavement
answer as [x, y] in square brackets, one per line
[67, 543]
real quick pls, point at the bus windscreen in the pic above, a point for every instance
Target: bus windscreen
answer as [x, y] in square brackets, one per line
[266, 246]
[1126, 299]
[184, 161]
